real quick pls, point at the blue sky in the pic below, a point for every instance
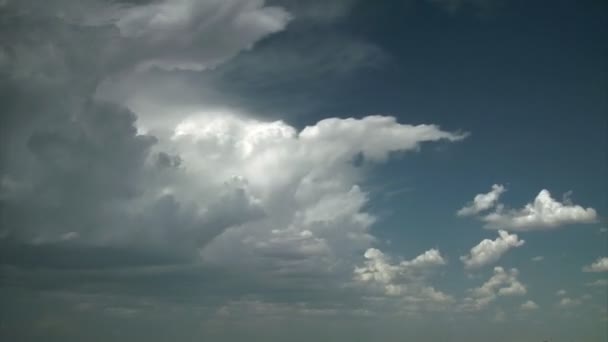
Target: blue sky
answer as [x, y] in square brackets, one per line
[283, 170]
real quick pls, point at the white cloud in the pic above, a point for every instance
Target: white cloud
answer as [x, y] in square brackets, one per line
[543, 213]
[567, 302]
[600, 265]
[196, 35]
[598, 283]
[489, 251]
[529, 306]
[603, 230]
[538, 258]
[406, 280]
[502, 283]
[561, 293]
[278, 206]
[482, 202]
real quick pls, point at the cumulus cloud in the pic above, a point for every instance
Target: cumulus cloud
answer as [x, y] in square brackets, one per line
[543, 213]
[489, 251]
[87, 184]
[529, 306]
[538, 258]
[169, 33]
[482, 202]
[405, 280]
[561, 293]
[600, 265]
[502, 283]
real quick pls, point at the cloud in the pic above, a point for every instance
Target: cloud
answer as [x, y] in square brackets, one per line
[501, 284]
[569, 302]
[489, 251]
[598, 283]
[538, 258]
[482, 202]
[542, 214]
[91, 189]
[529, 306]
[600, 265]
[406, 280]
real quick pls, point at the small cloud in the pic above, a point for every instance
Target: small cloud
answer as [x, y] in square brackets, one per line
[538, 258]
[600, 265]
[489, 251]
[482, 202]
[569, 302]
[529, 306]
[70, 236]
[598, 283]
[603, 230]
[560, 293]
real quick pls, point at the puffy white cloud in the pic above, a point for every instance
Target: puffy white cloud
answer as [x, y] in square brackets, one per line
[406, 279]
[600, 265]
[482, 202]
[502, 283]
[529, 306]
[489, 251]
[543, 213]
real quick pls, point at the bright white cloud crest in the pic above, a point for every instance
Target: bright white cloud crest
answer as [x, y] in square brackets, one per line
[482, 202]
[543, 213]
[600, 265]
[489, 251]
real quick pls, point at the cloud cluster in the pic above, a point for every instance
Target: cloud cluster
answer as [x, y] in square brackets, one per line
[406, 280]
[543, 213]
[600, 265]
[489, 251]
[502, 284]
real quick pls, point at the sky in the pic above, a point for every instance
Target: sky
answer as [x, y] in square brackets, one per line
[283, 170]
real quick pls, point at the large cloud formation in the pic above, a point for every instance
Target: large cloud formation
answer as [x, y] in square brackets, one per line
[85, 186]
